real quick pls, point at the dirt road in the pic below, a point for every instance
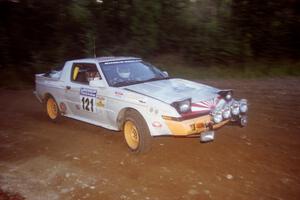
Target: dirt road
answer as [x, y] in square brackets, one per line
[74, 160]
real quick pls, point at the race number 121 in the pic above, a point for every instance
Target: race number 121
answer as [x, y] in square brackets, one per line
[87, 104]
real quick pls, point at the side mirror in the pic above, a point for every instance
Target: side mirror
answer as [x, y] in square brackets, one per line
[166, 74]
[97, 83]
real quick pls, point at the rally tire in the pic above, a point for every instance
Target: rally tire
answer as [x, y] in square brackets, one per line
[136, 132]
[52, 109]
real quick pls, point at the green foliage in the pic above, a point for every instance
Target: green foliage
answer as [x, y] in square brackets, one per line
[176, 66]
[40, 34]
[144, 28]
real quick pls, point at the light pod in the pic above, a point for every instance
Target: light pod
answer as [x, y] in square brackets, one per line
[217, 117]
[243, 106]
[235, 108]
[226, 112]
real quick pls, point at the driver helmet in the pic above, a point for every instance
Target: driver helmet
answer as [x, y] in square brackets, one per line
[123, 71]
[97, 76]
[91, 75]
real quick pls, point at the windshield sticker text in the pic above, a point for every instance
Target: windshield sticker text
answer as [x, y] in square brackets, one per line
[120, 62]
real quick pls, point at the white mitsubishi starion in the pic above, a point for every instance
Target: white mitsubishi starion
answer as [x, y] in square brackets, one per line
[127, 94]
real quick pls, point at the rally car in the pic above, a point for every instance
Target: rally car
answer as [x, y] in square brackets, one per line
[130, 95]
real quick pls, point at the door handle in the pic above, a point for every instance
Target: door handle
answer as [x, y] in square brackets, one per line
[68, 87]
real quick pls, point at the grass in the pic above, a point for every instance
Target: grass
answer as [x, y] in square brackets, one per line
[254, 69]
[13, 78]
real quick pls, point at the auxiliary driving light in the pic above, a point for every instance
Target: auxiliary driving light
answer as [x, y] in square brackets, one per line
[235, 108]
[228, 96]
[217, 117]
[243, 106]
[226, 113]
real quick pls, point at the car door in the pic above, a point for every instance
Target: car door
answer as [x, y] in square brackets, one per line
[84, 100]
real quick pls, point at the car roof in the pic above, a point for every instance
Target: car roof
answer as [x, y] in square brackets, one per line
[106, 59]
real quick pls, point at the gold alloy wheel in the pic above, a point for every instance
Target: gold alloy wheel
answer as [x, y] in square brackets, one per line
[131, 135]
[52, 108]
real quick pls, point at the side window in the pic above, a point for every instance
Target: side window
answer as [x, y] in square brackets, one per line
[84, 72]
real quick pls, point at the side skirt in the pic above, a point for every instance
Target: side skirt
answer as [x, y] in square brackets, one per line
[92, 122]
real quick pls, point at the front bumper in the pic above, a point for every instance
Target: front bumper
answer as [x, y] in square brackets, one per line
[193, 126]
[226, 111]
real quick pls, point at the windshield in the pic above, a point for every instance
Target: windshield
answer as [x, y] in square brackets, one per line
[122, 73]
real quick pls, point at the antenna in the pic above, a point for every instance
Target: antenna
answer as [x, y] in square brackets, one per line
[95, 56]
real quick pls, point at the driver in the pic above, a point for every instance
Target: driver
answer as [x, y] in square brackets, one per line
[92, 75]
[123, 71]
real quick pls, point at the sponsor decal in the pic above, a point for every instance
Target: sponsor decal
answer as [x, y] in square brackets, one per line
[100, 102]
[88, 99]
[87, 103]
[77, 107]
[205, 105]
[117, 93]
[156, 124]
[88, 92]
[122, 61]
[63, 107]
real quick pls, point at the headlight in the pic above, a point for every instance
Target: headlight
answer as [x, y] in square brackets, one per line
[235, 108]
[226, 113]
[183, 106]
[243, 106]
[217, 117]
[228, 96]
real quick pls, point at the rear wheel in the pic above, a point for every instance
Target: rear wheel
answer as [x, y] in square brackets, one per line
[136, 132]
[52, 109]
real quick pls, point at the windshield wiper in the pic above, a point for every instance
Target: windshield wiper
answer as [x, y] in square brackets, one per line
[156, 79]
[125, 83]
[132, 82]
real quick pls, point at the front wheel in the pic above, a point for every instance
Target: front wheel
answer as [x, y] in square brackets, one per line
[52, 109]
[136, 132]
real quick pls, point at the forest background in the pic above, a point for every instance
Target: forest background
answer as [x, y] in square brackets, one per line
[192, 38]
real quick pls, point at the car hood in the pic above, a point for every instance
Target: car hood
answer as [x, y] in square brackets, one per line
[171, 90]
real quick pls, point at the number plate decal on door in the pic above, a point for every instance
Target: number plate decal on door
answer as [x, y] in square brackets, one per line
[88, 99]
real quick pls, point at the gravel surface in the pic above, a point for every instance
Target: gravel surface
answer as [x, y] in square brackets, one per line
[74, 160]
